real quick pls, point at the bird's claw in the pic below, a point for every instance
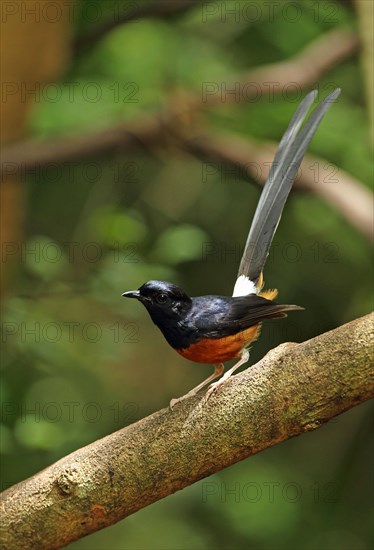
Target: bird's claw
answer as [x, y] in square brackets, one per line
[212, 389]
[173, 402]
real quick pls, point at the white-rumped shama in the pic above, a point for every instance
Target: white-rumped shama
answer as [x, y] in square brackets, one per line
[215, 329]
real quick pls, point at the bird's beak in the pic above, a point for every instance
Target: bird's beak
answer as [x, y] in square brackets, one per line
[132, 294]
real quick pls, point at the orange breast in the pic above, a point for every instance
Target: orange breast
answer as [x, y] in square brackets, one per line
[219, 350]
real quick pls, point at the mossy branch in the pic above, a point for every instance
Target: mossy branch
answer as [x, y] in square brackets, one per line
[294, 388]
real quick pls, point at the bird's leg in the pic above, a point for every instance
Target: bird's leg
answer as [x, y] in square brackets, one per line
[218, 370]
[213, 387]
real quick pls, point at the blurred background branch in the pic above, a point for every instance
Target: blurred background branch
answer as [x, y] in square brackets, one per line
[304, 69]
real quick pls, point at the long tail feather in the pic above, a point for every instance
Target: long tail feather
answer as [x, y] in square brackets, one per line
[287, 160]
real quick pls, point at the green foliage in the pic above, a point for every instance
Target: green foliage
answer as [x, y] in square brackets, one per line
[179, 244]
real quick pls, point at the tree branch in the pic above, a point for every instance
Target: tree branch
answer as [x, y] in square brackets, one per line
[293, 389]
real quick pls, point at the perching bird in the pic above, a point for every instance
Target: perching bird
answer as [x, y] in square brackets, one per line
[215, 329]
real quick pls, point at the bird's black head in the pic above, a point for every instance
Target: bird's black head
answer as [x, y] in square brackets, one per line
[162, 299]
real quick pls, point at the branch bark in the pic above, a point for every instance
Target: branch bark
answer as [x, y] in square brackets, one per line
[293, 389]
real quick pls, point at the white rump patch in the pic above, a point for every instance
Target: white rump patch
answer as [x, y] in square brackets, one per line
[244, 286]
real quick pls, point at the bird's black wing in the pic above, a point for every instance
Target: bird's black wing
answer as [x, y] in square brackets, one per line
[219, 316]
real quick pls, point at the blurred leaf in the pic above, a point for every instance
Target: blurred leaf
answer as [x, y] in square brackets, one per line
[44, 257]
[116, 227]
[247, 500]
[179, 244]
[38, 435]
[7, 444]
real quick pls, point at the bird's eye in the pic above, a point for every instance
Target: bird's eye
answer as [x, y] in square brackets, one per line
[162, 298]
